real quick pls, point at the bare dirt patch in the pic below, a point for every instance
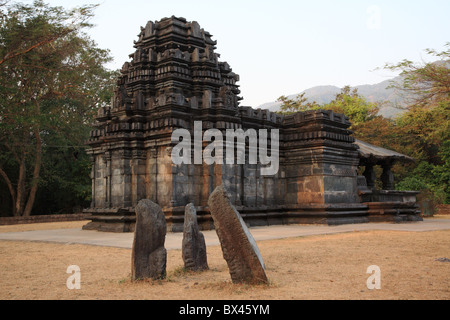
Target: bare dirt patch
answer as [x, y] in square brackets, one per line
[313, 267]
[43, 226]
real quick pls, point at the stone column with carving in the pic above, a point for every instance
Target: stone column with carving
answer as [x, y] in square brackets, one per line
[369, 174]
[121, 179]
[138, 176]
[151, 174]
[107, 162]
[387, 177]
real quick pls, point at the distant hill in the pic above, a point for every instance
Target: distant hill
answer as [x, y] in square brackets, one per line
[374, 93]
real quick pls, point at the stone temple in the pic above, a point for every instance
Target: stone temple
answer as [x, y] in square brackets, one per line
[174, 79]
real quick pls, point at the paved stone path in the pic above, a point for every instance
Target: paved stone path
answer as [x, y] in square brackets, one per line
[174, 240]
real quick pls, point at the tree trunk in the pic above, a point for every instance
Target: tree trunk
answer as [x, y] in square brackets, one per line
[20, 195]
[11, 190]
[36, 171]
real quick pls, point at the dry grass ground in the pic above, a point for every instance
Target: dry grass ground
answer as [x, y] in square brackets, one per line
[313, 267]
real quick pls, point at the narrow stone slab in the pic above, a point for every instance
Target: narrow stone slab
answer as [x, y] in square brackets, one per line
[193, 246]
[238, 245]
[149, 257]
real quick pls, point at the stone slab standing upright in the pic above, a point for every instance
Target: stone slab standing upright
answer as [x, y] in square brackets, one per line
[149, 257]
[238, 245]
[193, 246]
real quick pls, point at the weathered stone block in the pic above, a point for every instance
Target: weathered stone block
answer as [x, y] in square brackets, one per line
[149, 256]
[193, 245]
[238, 245]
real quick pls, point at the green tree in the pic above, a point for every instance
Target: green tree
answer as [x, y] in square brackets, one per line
[348, 101]
[427, 83]
[353, 105]
[52, 79]
[423, 130]
[300, 103]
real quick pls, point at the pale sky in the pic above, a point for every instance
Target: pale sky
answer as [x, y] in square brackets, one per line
[282, 47]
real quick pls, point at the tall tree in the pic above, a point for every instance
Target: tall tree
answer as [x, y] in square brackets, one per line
[427, 84]
[423, 130]
[52, 78]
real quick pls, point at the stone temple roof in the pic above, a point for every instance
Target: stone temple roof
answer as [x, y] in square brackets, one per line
[369, 152]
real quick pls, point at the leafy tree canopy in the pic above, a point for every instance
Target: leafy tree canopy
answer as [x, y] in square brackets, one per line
[52, 79]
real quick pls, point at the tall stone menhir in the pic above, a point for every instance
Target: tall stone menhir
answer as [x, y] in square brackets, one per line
[149, 257]
[193, 245]
[238, 245]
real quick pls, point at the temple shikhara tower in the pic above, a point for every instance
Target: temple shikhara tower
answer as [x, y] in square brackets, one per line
[175, 78]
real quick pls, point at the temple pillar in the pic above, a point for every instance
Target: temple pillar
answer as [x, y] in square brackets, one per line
[107, 176]
[92, 176]
[387, 177]
[138, 176]
[370, 175]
